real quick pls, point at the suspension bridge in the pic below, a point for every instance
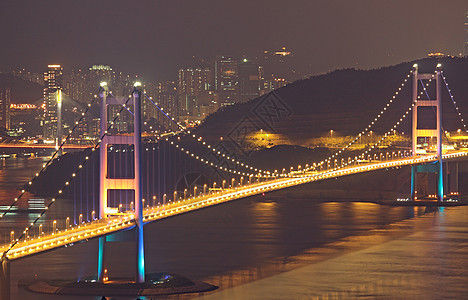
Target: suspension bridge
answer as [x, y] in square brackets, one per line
[129, 210]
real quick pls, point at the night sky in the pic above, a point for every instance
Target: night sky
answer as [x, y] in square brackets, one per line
[155, 37]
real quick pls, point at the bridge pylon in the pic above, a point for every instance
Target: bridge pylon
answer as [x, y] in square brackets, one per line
[427, 130]
[135, 183]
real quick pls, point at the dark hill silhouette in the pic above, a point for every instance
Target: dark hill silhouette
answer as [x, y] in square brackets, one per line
[344, 100]
[22, 91]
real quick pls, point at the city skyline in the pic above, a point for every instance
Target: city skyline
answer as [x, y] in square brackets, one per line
[170, 35]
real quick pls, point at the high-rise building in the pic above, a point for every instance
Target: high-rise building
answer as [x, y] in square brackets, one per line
[208, 103]
[226, 79]
[52, 86]
[5, 108]
[83, 85]
[148, 110]
[192, 81]
[74, 86]
[465, 50]
[250, 80]
[167, 100]
[279, 64]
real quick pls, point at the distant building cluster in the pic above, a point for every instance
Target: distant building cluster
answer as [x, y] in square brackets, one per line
[196, 92]
[228, 80]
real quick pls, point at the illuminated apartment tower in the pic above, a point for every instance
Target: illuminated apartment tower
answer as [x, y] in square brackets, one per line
[465, 50]
[226, 79]
[52, 85]
[191, 82]
[250, 80]
[5, 108]
[167, 98]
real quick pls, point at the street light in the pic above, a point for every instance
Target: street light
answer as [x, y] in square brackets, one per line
[331, 133]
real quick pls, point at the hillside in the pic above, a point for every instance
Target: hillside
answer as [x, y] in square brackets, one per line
[344, 101]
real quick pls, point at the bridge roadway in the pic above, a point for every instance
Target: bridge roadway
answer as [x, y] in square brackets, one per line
[113, 224]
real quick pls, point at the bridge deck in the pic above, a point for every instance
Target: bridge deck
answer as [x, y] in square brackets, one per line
[113, 224]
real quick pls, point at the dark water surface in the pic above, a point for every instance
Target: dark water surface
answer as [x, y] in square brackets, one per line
[254, 246]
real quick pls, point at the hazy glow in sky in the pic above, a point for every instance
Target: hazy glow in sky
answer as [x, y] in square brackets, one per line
[155, 37]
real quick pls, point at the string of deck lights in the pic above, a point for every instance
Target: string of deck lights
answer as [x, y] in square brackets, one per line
[187, 152]
[47, 164]
[393, 129]
[386, 134]
[60, 191]
[201, 159]
[27, 229]
[206, 145]
[366, 129]
[454, 103]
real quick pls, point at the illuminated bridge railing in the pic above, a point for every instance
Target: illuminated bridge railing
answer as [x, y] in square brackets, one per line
[114, 224]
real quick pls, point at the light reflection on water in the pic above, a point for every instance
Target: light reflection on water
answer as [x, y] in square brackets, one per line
[239, 242]
[421, 258]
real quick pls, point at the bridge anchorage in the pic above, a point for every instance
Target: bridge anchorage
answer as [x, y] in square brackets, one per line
[430, 180]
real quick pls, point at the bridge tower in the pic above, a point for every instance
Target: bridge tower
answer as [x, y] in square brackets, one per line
[135, 183]
[424, 134]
